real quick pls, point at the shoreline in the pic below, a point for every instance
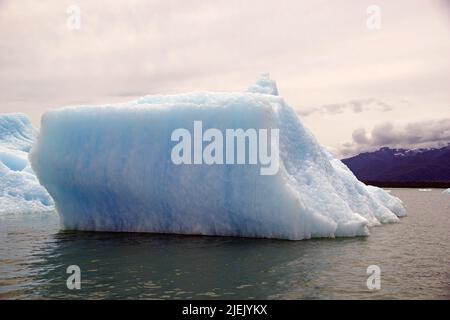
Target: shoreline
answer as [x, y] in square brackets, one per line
[411, 184]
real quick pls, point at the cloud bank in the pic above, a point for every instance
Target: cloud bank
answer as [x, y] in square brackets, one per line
[422, 134]
[356, 106]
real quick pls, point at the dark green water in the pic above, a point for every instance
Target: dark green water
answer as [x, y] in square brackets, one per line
[413, 255]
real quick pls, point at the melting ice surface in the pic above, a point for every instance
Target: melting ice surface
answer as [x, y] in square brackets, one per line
[20, 191]
[108, 168]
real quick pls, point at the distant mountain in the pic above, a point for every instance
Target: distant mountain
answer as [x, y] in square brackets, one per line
[403, 167]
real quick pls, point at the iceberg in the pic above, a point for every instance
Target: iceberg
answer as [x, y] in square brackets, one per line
[20, 190]
[109, 168]
[446, 191]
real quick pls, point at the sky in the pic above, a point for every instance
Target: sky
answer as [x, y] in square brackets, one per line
[359, 79]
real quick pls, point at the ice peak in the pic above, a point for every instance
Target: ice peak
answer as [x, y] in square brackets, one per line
[264, 85]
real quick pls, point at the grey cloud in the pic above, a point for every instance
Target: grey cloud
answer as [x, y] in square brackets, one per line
[355, 105]
[421, 134]
[359, 136]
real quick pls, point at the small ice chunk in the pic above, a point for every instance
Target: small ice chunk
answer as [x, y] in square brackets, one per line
[264, 85]
[20, 190]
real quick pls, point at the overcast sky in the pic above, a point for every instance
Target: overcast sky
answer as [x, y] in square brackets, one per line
[355, 88]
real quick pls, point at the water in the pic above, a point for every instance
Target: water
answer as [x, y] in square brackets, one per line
[413, 255]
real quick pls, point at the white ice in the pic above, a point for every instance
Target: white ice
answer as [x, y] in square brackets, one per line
[108, 168]
[20, 191]
[446, 191]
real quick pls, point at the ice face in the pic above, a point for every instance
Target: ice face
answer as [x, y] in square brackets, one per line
[109, 168]
[20, 191]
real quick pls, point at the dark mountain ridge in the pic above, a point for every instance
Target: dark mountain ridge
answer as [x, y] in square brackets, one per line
[403, 167]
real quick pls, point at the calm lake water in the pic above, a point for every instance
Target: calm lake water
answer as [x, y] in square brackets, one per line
[413, 255]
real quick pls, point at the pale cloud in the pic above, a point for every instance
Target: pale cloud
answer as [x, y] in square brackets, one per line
[356, 105]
